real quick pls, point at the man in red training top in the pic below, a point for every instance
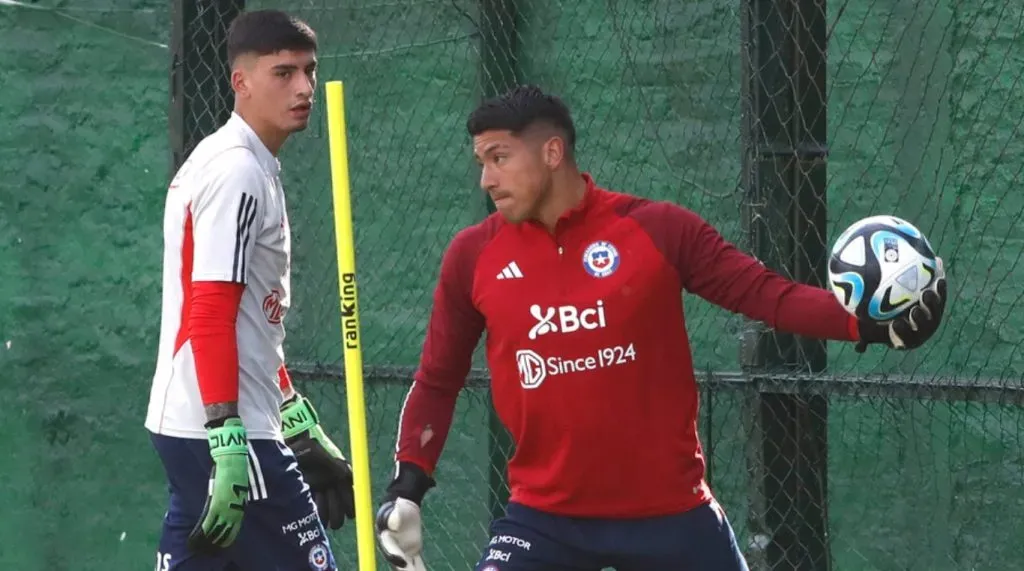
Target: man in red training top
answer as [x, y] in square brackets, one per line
[252, 477]
[579, 291]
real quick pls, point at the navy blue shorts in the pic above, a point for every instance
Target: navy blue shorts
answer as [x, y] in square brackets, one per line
[280, 530]
[528, 540]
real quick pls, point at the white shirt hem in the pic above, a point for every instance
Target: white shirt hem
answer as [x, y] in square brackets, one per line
[201, 434]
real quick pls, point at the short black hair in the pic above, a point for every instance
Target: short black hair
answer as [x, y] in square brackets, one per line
[264, 32]
[522, 107]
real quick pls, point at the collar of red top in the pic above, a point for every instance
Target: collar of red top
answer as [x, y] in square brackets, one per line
[591, 196]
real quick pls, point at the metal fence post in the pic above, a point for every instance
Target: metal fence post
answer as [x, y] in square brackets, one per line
[200, 90]
[784, 130]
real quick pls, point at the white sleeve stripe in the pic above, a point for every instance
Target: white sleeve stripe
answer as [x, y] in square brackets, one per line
[248, 231]
[246, 216]
[401, 413]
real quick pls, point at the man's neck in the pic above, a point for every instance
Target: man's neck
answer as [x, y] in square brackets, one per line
[271, 138]
[567, 192]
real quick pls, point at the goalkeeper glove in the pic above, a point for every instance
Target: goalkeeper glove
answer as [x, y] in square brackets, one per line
[221, 519]
[322, 465]
[913, 327]
[399, 525]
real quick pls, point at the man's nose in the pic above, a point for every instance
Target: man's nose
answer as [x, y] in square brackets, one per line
[488, 179]
[305, 87]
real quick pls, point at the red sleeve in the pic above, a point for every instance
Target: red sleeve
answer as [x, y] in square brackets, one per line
[717, 271]
[453, 331]
[284, 380]
[211, 330]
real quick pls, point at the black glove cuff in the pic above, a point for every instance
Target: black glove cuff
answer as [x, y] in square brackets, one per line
[295, 397]
[411, 483]
[871, 332]
[219, 422]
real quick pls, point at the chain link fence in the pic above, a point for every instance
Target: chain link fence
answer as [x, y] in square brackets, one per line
[770, 119]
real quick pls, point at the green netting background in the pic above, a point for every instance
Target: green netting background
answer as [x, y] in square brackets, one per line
[924, 121]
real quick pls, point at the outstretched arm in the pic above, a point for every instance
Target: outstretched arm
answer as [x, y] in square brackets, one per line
[719, 272]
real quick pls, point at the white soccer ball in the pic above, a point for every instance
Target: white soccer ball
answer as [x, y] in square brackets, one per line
[880, 266]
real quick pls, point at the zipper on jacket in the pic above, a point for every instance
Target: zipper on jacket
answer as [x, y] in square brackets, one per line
[563, 273]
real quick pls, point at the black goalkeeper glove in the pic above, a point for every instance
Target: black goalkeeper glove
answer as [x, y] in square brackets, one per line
[913, 327]
[323, 466]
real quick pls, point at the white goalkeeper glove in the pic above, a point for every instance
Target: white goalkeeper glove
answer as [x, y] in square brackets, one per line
[399, 525]
[400, 534]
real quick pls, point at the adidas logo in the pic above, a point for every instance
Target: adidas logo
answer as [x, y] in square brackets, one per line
[510, 272]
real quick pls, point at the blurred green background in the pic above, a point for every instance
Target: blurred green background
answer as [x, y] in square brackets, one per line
[924, 113]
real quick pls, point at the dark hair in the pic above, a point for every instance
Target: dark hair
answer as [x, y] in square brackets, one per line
[264, 32]
[520, 108]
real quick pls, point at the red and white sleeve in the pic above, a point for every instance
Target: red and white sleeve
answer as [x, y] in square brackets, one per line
[453, 331]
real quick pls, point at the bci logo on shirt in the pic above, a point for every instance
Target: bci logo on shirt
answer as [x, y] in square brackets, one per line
[566, 319]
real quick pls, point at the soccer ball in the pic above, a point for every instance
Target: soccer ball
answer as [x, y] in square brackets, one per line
[880, 266]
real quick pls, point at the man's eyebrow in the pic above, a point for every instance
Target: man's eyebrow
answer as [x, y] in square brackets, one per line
[292, 66]
[489, 149]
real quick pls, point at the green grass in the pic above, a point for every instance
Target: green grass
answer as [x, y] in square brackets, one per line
[924, 118]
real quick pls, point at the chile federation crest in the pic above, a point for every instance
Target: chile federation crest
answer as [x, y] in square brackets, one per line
[601, 259]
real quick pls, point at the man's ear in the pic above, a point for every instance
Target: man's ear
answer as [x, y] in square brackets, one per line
[553, 151]
[239, 82]
[241, 74]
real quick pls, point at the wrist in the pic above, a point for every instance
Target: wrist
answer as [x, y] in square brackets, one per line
[411, 483]
[217, 413]
[228, 438]
[291, 397]
[297, 416]
[853, 328]
[289, 393]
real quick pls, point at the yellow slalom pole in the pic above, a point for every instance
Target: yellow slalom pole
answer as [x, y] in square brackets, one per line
[350, 335]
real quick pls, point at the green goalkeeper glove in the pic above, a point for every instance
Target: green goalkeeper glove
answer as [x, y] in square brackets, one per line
[221, 519]
[323, 466]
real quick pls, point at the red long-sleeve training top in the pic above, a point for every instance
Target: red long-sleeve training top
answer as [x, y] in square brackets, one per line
[590, 363]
